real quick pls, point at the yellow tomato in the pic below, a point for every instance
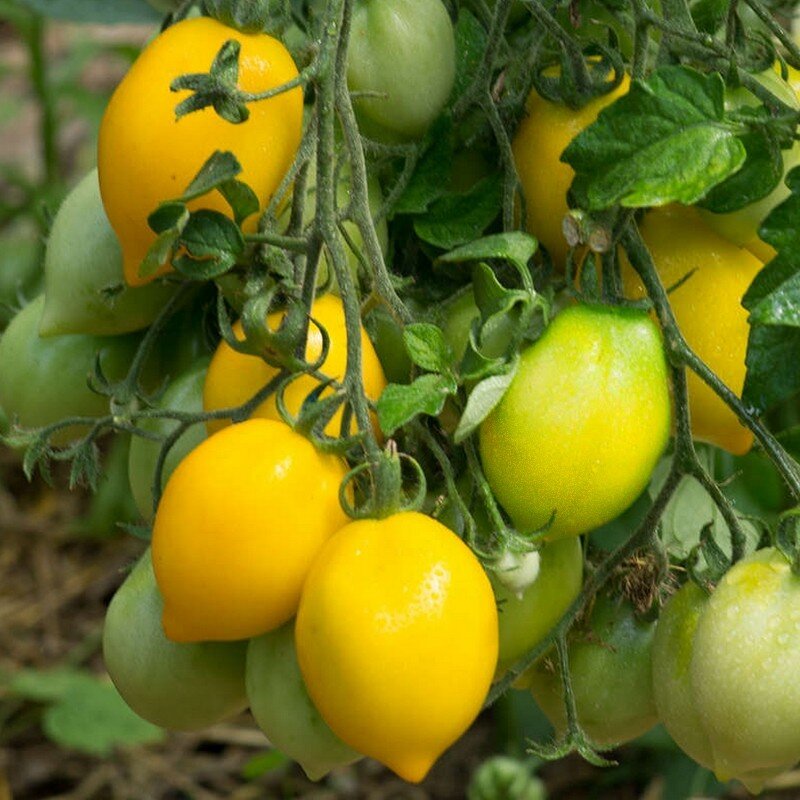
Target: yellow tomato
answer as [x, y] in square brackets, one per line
[541, 138]
[233, 378]
[241, 519]
[146, 155]
[397, 639]
[708, 310]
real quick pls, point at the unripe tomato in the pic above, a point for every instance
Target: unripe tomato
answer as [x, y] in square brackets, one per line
[741, 226]
[179, 686]
[83, 259]
[147, 156]
[397, 639]
[241, 520]
[539, 141]
[527, 618]
[744, 669]
[44, 380]
[283, 710]
[20, 273]
[583, 423]
[708, 308]
[397, 47]
[185, 393]
[673, 646]
[610, 667]
[233, 378]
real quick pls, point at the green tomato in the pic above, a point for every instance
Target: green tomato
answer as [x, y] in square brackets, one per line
[526, 618]
[672, 686]
[404, 50]
[177, 686]
[741, 226]
[283, 709]
[20, 273]
[185, 393]
[744, 669]
[44, 380]
[83, 260]
[505, 778]
[583, 423]
[610, 667]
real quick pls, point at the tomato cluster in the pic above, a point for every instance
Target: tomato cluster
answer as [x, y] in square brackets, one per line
[291, 568]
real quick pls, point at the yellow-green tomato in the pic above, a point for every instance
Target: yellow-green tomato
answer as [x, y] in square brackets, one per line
[526, 618]
[610, 668]
[44, 380]
[85, 291]
[744, 669]
[673, 645]
[185, 393]
[283, 709]
[177, 686]
[402, 51]
[583, 423]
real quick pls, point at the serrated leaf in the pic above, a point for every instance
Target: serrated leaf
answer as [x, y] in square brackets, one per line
[400, 403]
[491, 296]
[760, 174]
[212, 241]
[427, 348]
[664, 141]
[773, 365]
[222, 166]
[170, 216]
[241, 198]
[514, 246]
[92, 718]
[482, 401]
[471, 39]
[100, 11]
[459, 218]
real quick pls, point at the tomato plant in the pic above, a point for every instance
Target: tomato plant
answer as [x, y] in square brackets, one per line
[245, 494]
[583, 459]
[390, 592]
[177, 686]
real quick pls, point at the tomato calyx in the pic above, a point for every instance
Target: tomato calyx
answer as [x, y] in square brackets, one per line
[248, 16]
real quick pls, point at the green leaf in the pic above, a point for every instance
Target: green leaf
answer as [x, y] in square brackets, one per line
[781, 228]
[709, 15]
[47, 686]
[471, 39]
[665, 141]
[426, 345]
[773, 365]
[761, 173]
[92, 718]
[241, 198]
[459, 218]
[515, 246]
[774, 296]
[432, 174]
[482, 400]
[221, 167]
[213, 242]
[103, 11]
[399, 403]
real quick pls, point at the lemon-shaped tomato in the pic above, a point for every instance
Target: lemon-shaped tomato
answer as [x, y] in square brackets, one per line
[708, 308]
[177, 686]
[539, 141]
[85, 289]
[283, 710]
[397, 639]
[241, 519]
[583, 422]
[146, 155]
[233, 378]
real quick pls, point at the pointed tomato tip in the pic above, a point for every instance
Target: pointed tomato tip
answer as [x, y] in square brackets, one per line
[412, 768]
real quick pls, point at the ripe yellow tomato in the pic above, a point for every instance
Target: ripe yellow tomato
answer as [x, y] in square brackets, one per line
[583, 423]
[233, 378]
[397, 639]
[541, 138]
[708, 309]
[241, 519]
[147, 156]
